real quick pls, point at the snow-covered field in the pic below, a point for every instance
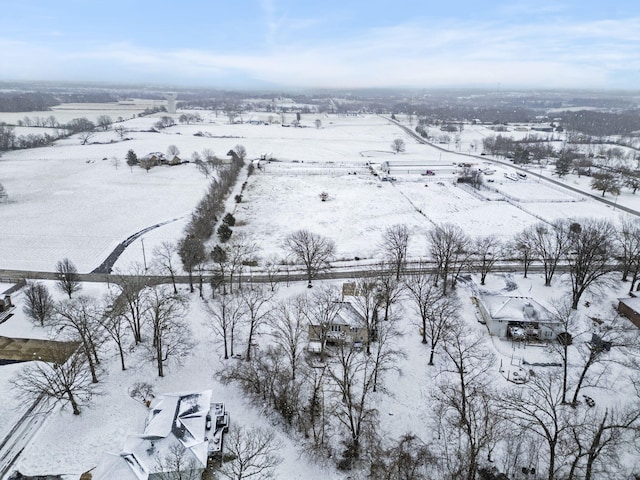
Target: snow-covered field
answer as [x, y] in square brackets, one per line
[69, 200]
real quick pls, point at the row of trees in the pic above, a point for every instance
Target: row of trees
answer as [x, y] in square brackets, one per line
[590, 250]
[532, 147]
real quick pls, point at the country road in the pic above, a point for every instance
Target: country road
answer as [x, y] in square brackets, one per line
[21, 434]
[598, 198]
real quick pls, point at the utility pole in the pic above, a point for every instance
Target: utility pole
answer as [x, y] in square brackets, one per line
[144, 257]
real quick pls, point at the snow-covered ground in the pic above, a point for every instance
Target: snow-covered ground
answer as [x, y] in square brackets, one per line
[66, 201]
[69, 200]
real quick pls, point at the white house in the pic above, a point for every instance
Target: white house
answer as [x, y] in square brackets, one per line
[518, 318]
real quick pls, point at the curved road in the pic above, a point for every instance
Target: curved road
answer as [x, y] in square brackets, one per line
[106, 266]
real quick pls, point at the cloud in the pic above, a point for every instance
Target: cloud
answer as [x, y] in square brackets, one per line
[597, 54]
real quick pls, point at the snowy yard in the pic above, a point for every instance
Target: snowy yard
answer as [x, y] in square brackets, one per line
[69, 200]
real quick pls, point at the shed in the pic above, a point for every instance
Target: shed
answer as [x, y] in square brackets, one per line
[630, 308]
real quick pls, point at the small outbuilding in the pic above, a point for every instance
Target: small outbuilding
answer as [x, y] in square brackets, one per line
[630, 308]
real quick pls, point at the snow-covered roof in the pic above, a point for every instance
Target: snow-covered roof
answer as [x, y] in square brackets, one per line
[348, 315]
[633, 303]
[522, 309]
[176, 422]
[122, 466]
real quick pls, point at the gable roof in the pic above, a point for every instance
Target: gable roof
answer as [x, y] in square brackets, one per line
[517, 309]
[176, 422]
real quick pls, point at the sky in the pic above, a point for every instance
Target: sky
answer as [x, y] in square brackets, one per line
[324, 43]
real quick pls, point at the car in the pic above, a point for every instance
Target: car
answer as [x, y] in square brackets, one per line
[208, 424]
[429, 173]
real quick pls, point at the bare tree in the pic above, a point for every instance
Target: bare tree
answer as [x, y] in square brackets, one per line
[353, 377]
[385, 352]
[628, 243]
[314, 419]
[312, 250]
[164, 255]
[130, 298]
[147, 162]
[395, 241]
[487, 251]
[398, 145]
[549, 243]
[436, 310]
[104, 122]
[253, 453]
[389, 290]
[172, 151]
[522, 245]
[121, 131]
[68, 278]
[115, 324]
[288, 330]
[202, 166]
[225, 314]
[80, 319]
[86, 136]
[322, 310]
[407, 458]
[599, 438]
[239, 252]
[177, 463]
[39, 304]
[595, 351]
[272, 267]
[537, 407]
[64, 379]
[116, 162]
[220, 257]
[241, 152]
[465, 401]
[449, 247]
[568, 320]
[366, 301]
[172, 339]
[589, 256]
[256, 301]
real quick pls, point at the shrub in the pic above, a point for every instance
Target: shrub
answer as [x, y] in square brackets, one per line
[229, 219]
[224, 232]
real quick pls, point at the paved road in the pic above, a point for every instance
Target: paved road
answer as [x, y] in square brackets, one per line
[21, 434]
[106, 266]
[598, 198]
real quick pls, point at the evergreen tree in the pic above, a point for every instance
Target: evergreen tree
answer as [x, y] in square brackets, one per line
[132, 158]
[224, 232]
